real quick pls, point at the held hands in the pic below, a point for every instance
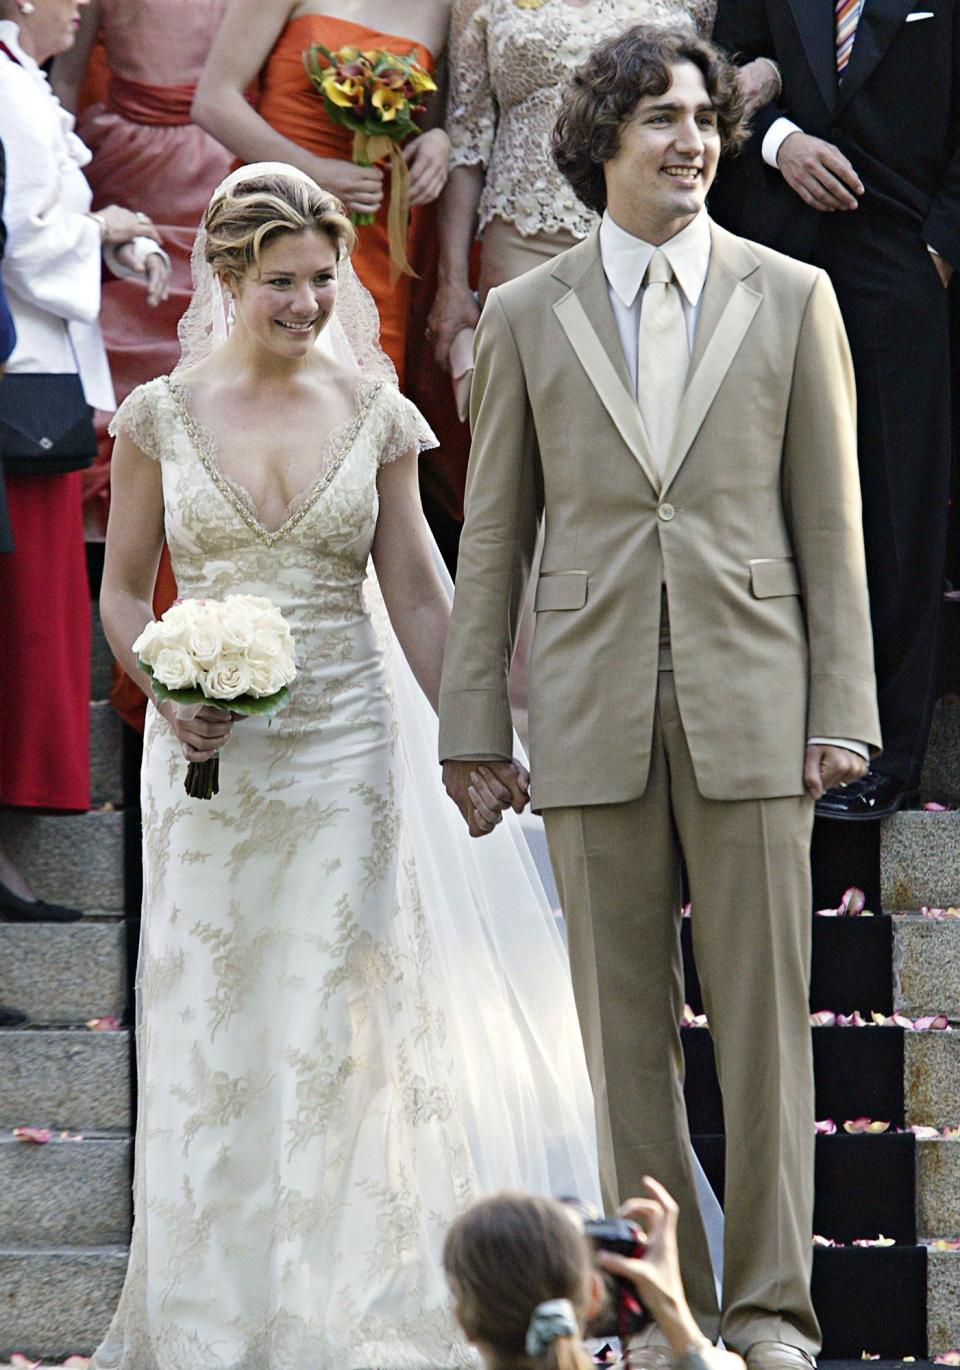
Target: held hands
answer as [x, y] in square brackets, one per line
[482, 790]
[428, 158]
[825, 766]
[818, 172]
[454, 308]
[201, 731]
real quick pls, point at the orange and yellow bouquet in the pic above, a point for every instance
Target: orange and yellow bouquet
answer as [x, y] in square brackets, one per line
[376, 94]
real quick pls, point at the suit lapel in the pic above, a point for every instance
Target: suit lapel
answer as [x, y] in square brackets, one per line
[880, 21]
[815, 24]
[586, 317]
[726, 313]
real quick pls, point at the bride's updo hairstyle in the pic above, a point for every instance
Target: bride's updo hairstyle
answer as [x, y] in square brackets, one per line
[248, 216]
[508, 1259]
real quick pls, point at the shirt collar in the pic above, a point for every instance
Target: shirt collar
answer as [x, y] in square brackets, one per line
[10, 34]
[626, 258]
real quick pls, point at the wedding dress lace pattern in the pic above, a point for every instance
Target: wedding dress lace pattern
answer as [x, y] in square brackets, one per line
[345, 1032]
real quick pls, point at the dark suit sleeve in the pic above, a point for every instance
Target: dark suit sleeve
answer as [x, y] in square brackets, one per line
[742, 30]
[503, 504]
[942, 227]
[8, 336]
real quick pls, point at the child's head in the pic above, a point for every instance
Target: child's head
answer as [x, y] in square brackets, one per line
[523, 1281]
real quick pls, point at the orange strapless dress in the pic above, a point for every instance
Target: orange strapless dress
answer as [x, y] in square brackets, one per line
[289, 103]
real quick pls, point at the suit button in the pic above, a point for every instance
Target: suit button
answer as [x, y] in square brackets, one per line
[666, 512]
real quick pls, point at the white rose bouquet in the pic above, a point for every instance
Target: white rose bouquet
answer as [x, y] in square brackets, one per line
[235, 654]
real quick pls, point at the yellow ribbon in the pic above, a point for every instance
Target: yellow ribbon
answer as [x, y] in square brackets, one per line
[368, 149]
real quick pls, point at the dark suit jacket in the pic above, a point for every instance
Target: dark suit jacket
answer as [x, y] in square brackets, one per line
[895, 115]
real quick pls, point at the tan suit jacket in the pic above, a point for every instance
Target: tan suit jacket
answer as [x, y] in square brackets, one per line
[755, 530]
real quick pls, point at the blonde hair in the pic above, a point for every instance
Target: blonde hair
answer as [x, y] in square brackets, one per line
[246, 218]
[505, 1256]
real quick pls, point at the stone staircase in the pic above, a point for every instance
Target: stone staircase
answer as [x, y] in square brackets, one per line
[65, 1209]
[65, 1206]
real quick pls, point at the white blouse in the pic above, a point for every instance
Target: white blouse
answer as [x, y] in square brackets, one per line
[52, 265]
[509, 63]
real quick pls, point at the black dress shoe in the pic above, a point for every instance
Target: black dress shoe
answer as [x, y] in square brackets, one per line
[12, 1017]
[874, 795]
[13, 909]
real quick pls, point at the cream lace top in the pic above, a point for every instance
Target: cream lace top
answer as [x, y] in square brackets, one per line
[509, 62]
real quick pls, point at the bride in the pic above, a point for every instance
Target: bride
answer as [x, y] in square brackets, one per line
[353, 1019]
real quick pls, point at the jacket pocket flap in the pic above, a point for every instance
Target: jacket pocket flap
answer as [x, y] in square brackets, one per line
[770, 578]
[561, 590]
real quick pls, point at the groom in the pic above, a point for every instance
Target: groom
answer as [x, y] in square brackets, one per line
[676, 406]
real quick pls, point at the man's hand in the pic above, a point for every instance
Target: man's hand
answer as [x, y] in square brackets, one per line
[481, 791]
[818, 172]
[825, 766]
[944, 269]
[759, 84]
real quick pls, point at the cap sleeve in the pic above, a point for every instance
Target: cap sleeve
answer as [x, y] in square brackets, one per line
[138, 417]
[404, 427]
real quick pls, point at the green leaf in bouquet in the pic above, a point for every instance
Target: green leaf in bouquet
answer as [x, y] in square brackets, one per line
[265, 707]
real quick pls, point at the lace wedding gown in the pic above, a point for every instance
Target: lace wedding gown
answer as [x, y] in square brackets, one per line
[351, 1019]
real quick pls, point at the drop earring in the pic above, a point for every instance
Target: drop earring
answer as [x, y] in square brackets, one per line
[26, 6]
[231, 313]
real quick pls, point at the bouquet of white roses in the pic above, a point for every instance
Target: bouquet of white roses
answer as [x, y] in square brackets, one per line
[234, 654]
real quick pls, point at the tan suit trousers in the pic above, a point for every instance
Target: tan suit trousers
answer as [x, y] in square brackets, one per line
[618, 871]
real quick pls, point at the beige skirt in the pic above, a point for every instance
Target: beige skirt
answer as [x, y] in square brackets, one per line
[507, 253]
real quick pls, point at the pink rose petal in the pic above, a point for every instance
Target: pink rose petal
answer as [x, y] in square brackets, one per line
[21, 1362]
[947, 1358]
[823, 1019]
[938, 1022]
[881, 1240]
[685, 911]
[106, 1024]
[869, 1355]
[823, 1241]
[76, 1362]
[826, 1127]
[934, 808]
[39, 1135]
[850, 1019]
[944, 1244]
[854, 902]
[924, 1134]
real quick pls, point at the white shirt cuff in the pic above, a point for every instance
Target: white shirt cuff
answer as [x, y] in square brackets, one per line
[933, 251]
[858, 748]
[779, 130]
[142, 249]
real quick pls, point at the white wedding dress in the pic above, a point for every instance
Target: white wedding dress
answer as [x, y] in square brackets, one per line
[352, 1019]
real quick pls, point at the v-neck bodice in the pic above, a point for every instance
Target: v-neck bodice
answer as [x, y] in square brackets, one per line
[314, 564]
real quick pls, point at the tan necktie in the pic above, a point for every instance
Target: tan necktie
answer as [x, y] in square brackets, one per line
[663, 357]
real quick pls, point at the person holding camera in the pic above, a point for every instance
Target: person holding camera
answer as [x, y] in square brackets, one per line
[527, 1276]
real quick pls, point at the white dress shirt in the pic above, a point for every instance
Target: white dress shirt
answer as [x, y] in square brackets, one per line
[625, 260]
[51, 270]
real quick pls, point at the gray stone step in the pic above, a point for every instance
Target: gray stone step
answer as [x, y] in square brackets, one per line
[943, 1302]
[940, 781]
[58, 1302]
[74, 859]
[106, 768]
[65, 1192]
[65, 1078]
[926, 966]
[920, 860]
[931, 1078]
[63, 972]
[938, 1187]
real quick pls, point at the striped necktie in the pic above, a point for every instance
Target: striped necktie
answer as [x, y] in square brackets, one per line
[848, 15]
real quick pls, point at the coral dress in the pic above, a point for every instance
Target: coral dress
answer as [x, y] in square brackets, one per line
[291, 105]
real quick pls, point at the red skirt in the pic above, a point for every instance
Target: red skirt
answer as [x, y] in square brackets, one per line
[45, 629]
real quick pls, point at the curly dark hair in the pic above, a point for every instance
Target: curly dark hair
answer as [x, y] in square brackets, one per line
[603, 94]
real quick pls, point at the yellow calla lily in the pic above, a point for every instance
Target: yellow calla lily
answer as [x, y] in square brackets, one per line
[421, 80]
[346, 93]
[388, 102]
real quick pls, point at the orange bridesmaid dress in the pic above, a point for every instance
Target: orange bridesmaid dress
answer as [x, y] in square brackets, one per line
[291, 105]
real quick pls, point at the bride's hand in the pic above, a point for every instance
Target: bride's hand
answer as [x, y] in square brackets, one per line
[359, 187]
[202, 735]
[428, 158]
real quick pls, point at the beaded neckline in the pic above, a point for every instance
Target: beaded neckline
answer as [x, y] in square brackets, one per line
[301, 505]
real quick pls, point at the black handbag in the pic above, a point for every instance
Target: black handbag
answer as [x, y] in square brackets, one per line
[46, 425]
